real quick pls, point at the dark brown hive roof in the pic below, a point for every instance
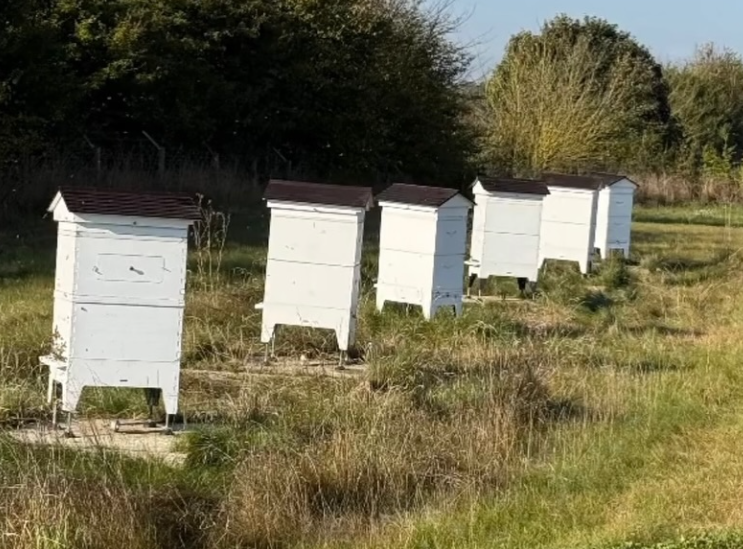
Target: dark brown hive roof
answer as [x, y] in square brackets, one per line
[513, 185]
[608, 179]
[81, 200]
[416, 194]
[592, 181]
[318, 193]
[582, 182]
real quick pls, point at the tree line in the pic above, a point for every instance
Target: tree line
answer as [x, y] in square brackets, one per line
[359, 87]
[584, 95]
[362, 90]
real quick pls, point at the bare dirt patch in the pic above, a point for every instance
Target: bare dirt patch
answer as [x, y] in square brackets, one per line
[132, 438]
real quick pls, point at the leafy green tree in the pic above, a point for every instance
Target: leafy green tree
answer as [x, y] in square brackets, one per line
[350, 89]
[577, 95]
[706, 98]
[36, 91]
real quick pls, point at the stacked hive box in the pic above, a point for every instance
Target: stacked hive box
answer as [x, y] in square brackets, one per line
[569, 219]
[119, 292]
[614, 214]
[313, 269]
[506, 228]
[422, 247]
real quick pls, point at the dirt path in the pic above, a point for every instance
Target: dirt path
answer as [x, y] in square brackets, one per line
[95, 434]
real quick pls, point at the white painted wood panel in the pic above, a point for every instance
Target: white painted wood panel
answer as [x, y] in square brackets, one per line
[409, 269]
[568, 225]
[408, 230]
[323, 240]
[122, 332]
[120, 266]
[506, 241]
[290, 282]
[516, 217]
[65, 259]
[451, 235]
[449, 271]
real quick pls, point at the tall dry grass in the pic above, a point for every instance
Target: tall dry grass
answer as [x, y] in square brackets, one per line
[670, 189]
[58, 499]
[449, 415]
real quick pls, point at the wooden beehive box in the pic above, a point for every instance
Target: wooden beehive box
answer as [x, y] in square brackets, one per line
[313, 270]
[422, 247]
[506, 228]
[119, 291]
[614, 214]
[569, 219]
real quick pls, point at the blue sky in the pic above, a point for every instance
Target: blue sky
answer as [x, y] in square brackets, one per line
[670, 29]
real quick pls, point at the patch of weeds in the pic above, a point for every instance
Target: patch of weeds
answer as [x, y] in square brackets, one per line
[712, 540]
[596, 300]
[613, 274]
[678, 264]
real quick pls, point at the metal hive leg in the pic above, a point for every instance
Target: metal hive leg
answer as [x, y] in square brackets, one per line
[68, 427]
[153, 398]
[342, 360]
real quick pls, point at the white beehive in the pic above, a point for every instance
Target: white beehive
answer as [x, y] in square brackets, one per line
[119, 292]
[614, 215]
[313, 270]
[569, 219]
[423, 241]
[506, 228]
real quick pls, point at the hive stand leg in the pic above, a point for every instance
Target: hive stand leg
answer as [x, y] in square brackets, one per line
[55, 410]
[270, 351]
[471, 282]
[268, 337]
[429, 309]
[585, 267]
[170, 401]
[153, 399]
[70, 397]
[68, 427]
[459, 308]
[167, 430]
[343, 336]
[381, 300]
[522, 285]
[50, 389]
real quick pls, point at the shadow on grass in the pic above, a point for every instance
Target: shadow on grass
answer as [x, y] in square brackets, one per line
[686, 264]
[523, 330]
[596, 301]
[654, 367]
[563, 410]
[668, 331]
[717, 217]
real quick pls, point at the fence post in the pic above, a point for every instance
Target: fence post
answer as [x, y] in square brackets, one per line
[97, 155]
[160, 153]
[214, 155]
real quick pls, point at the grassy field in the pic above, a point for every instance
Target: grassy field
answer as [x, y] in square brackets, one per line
[605, 411]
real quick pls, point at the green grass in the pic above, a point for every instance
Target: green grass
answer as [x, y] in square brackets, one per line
[605, 411]
[715, 215]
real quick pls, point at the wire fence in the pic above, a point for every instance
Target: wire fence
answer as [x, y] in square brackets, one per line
[134, 161]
